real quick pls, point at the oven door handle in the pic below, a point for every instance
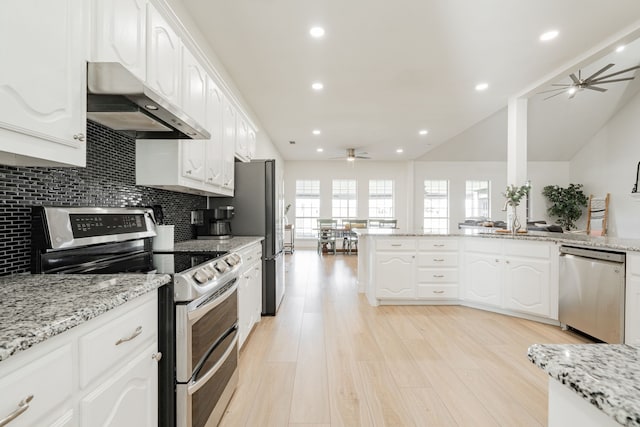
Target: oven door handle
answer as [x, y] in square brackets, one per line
[197, 313]
[203, 360]
[194, 386]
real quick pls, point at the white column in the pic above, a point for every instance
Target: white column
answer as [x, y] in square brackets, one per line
[517, 149]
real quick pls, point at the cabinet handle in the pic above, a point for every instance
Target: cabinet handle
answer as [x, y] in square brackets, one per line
[22, 407]
[249, 258]
[188, 172]
[497, 260]
[210, 179]
[79, 137]
[438, 246]
[438, 259]
[156, 356]
[438, 292]
[507, 262]
[134, 334]
[256, 268]
[438, 276]
[396, 245]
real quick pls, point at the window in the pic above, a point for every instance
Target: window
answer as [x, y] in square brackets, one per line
[476, 202]
[380, 198]
[344, 201]
[307, 207]
[436, 206]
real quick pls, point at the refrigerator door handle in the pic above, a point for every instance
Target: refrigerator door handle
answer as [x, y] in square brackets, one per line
[271, 258]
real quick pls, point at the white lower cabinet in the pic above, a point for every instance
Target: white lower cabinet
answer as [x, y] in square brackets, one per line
[83, 378]
[394, 271]
[437, 269]
[249, 290]
[632, 303]
[483, 278]
[527, 285]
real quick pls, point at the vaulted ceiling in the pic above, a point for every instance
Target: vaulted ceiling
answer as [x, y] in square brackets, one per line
[391, 69]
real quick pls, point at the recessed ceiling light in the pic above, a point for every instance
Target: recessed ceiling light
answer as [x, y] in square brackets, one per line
[549, 35]
[620, 48]
[316, 32]
[317, 86]
[319, 150]
[399, 150]
[316, 132]
[482, 86]
[423, 132]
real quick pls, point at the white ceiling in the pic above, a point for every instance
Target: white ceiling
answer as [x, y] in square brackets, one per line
[393, 68]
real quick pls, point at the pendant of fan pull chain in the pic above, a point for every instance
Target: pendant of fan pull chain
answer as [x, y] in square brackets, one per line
[593, 82]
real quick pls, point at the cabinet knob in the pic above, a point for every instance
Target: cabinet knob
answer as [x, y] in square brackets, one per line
[22, 407]
[188, 172]
[497, 260]
[78, 137]
[508, 262]
[210, 179]
[156, 356]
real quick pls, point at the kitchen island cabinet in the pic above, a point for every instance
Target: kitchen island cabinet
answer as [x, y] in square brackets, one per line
[43, 107]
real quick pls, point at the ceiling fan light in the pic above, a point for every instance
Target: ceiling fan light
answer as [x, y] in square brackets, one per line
[351, 159]
[620, 48]
[571, 90]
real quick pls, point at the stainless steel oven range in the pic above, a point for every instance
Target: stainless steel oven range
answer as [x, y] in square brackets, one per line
[198, 311]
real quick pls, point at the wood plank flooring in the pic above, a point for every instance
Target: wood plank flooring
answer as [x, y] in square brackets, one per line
[330, 359]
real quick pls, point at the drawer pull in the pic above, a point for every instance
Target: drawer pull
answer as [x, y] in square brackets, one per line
[438, 292]
[156, 356]
[438, 276]
[134, 334]
[438, 259]
[249, 258]
[438, 246]
[397, 245]
[22, 407]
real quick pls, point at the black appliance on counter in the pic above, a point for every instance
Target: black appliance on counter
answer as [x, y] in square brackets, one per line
[197, 312]
[259, 212]
[213, 223]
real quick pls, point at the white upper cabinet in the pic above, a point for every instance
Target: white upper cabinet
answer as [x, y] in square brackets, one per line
[43, 83]
[119, 34]
[242, 138]
[164, 50]
[251, 150]
[194, 87]
[214, 147]
[229, 117]
[193, 159]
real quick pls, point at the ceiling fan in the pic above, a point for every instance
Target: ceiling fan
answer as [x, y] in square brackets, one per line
[352, 155]
[592, 82]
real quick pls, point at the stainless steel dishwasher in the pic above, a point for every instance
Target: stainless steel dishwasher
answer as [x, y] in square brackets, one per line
[592, 292]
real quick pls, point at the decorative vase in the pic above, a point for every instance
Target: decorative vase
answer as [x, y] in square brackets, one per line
[515, 224]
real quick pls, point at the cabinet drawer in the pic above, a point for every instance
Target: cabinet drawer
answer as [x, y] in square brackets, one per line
[99, 349]
[428, 275]
[434, 259]
[396, 244]
[251, 254]
[48, 378]
[528, 249]
[438, 245]
[437, 291]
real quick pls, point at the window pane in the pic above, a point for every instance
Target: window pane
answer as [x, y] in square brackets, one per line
[381, 198]
[307, 207]
[436, 206]
[344, 199]
[477, 197]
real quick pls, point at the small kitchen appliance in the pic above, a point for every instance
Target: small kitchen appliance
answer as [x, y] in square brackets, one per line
[213, 223]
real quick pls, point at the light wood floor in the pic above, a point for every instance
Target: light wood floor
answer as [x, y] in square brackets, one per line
[330, 359]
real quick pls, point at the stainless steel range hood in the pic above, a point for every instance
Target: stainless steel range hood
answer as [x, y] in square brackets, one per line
[119, 100]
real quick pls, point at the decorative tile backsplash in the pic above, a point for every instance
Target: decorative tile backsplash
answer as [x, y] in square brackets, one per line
[108, 180]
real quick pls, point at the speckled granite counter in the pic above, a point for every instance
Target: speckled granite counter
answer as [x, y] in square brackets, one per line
[36, 307]
[605, 375]
[233, 244]
[614, 243]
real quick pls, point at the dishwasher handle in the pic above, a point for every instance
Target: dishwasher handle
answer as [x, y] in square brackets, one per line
[618, 257]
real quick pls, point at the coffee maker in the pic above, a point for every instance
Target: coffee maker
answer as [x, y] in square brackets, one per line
[213, 223]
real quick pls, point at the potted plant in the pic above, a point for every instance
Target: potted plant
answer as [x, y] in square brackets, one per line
[566, 203]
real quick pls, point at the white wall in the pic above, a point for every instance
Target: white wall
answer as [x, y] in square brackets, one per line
[607, 164]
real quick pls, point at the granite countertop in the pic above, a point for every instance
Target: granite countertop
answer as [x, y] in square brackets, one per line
[206, 245]
[36, 307]
[614, 243]
[606, 375]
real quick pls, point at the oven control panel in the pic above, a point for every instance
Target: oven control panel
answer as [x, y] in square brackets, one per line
[202, 279]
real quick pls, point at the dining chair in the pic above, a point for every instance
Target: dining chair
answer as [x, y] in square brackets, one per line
[352, 237]
[327, 235]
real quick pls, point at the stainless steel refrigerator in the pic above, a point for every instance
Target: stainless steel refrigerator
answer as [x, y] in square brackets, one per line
[259, 211]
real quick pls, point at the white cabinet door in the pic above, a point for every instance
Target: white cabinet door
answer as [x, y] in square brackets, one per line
[119, 34]
[242, 138]
[251, 149]
[192, 154]
[632, 304]
[164, 49]
[194, 87]
[214, 147]
[127, 398]
[244, 307]
[483, 278]
[394, 275]
[229, 145]
[43, 82]
[527, 285]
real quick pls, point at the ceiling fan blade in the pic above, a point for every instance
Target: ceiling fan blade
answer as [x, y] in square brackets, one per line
[563, 84]
[556, 94]
[597, 73]
[553, 90]
[599, 82]
[574, 78]
[614, 74]
[362, 157]
[596, 88]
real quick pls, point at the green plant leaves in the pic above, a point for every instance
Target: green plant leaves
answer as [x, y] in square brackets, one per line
[566, 203]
